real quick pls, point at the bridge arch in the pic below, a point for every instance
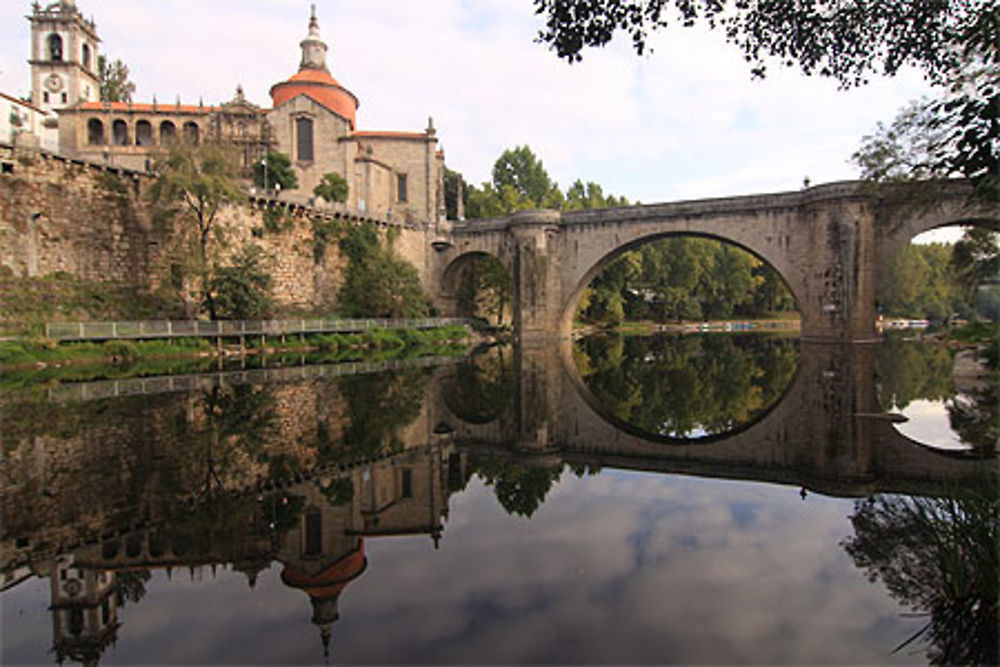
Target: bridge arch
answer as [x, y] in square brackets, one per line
[476, 265]
[587, 274]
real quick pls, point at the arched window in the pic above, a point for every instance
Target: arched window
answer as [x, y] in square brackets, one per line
[143, 133]
[95, 132]
[55, 47]
[168, 132]
[85, 58]
[304, 139]
[191, 132]
[119, 133]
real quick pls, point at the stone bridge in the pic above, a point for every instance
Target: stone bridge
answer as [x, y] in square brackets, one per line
[830, 243]
[828, 433]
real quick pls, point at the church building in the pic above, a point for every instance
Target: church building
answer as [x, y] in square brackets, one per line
[313, 120]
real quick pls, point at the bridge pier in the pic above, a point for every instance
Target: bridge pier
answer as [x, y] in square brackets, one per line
[537, 290]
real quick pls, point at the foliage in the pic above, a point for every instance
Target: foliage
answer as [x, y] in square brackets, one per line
[917, 284]
[520, 487]
[195, 182]
[379, 406]
[976, 259]
[907, 371]
[955, 44]
[456, 191]
[113, 77]
[846, 40]
[332, 188]
[276, 170]
[938, 556]
[684, 278]
[485, 289]
[277, 219]
[521, 183]
[378, 283]
[26, 303]
[241, 289]
[686, 387]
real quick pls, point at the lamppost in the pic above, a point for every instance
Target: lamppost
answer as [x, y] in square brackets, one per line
[263, 164]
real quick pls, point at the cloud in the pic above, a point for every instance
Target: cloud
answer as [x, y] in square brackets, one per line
[685, 121]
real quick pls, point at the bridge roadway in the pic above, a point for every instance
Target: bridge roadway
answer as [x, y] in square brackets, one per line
[831, 244]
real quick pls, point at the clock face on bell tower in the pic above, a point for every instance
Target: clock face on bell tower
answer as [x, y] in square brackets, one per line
[54, 83]
[63, 56]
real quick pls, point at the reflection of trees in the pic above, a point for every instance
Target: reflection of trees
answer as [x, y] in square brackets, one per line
[235, 426]
[482, 387]
[976, 418]
[520, 487]
[937, 556]
[677, 385]
[378, 405]
[908, 371]
[130, 586]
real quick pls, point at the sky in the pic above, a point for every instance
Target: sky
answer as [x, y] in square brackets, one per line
[686, 121]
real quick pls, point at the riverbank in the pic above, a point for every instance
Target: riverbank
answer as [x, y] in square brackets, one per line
[45, 359]
[581, 330]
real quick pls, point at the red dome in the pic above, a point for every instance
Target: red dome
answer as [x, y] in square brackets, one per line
[322, 88]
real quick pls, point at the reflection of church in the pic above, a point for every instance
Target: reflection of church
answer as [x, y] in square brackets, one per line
[315, 529]
[312, 120]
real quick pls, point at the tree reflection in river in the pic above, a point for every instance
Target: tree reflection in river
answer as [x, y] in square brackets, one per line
[937, 556]
[687, 386]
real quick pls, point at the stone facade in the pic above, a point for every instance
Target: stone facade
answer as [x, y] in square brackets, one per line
[95, 223]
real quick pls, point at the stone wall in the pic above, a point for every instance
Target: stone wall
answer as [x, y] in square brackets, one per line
[95, 223]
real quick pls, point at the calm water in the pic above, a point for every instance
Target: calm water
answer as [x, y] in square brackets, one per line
[720, 499]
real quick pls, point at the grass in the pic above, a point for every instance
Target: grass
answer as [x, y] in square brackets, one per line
[27, 303]
[30, 361]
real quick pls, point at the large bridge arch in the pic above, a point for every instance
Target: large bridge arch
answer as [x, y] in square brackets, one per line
[584, 275]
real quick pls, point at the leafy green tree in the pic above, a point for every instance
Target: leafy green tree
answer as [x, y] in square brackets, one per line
[485, 289]
[113, 77]
[276, 170]
[241, 289]
[193, 183]
[377, 283]
[520, 169]
[955, 44]
[976, 259]
[332, 188]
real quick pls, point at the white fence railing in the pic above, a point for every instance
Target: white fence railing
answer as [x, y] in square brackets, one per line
[229, 328]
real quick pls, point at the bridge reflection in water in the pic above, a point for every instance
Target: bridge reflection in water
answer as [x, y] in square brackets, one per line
[302, 472]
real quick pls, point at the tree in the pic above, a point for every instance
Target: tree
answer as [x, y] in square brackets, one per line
[847, 40]
[276, 170]
[114, 82]
[456, 192]
[956, 44]
[937, 556]
[241, 290]
[332, 188]
[520, 169]
[377, 283]
[194, 183]
[976, 259]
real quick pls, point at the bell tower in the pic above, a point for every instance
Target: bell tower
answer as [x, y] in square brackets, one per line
[63, 56]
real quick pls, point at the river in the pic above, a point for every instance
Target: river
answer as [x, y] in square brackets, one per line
[715, 498]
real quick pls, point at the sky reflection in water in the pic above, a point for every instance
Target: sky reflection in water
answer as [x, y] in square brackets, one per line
[612, 567]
